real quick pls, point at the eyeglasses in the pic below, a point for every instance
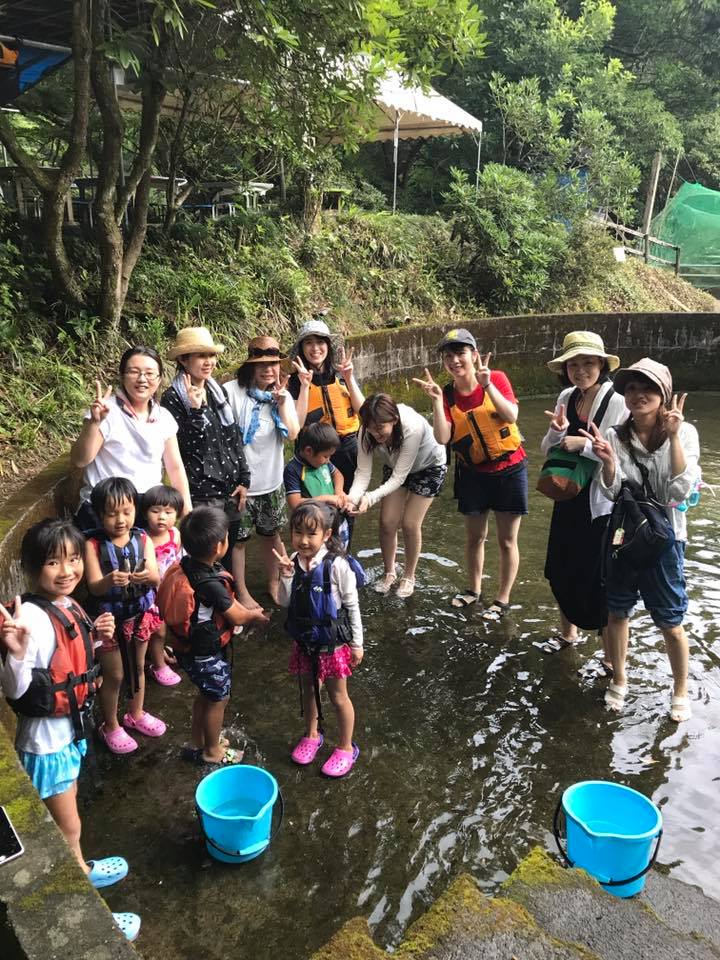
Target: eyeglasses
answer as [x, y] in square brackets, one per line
[263, 352]
[148, 375]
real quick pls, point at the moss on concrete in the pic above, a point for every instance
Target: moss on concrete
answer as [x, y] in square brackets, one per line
[24, 807]
[66, 878]
[462, 896]
[539, 869]
[351, 942]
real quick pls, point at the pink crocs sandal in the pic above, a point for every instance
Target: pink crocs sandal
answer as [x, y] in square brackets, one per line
[306, 750]
[165, 676]
[340, 762]
[118, 741]
[146, 723]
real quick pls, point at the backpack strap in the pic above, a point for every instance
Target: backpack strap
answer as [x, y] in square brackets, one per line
[644, 473]
[601, 410]
[449, 394]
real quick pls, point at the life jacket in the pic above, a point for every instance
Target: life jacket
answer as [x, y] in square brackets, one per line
[315, 481]
[179, 606]
[314, 619]
[480, 435]
[330, 403]
[67, 684]
[125, 603]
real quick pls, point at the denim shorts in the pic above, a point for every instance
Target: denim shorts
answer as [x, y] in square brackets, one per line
[504, 491]
[211, 675]
[662, 589]
[54, 773]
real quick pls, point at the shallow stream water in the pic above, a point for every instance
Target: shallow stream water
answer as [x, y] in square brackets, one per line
[468, 735]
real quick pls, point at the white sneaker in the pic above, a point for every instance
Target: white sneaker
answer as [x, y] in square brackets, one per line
[383, 586]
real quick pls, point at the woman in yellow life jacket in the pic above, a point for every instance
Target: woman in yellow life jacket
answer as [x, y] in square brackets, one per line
[477, 415]
[326, 392]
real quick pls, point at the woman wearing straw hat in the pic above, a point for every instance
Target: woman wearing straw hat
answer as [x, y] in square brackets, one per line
[208, 436]
[265, 413]
[572, 564]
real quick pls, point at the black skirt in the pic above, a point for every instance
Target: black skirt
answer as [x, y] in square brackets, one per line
[572, 565]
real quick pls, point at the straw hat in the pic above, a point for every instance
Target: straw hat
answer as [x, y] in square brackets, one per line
[653, 371]
[582, 343]
[313, 328]
[194, 340]
[264, 349]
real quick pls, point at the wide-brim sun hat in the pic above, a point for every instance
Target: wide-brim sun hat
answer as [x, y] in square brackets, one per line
[458, 337]
[264, 349]
[653, 371]
[582, 343]
[313, 328]
[194, 340]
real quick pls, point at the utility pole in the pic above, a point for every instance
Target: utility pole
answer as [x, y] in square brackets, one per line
[652, 190]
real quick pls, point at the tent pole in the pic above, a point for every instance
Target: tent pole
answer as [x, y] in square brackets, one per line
[396, 137]
[477, 167]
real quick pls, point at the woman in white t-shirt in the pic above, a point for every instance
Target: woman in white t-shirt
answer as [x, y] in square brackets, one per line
[127, 434]
[265, 413]
[414, 468]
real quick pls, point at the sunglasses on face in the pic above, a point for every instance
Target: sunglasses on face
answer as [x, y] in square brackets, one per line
[263, 352]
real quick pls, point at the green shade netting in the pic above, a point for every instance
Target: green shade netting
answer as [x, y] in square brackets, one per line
[692, 221]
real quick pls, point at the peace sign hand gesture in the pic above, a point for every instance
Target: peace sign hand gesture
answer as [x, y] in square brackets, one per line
[558, 421]
[601, 448]
[100, 407]
[279, 393]
[304, 375]
[195, 394]
[15, 632]
[345, 363]
[483, 369]
[431, 388]
[673, 417]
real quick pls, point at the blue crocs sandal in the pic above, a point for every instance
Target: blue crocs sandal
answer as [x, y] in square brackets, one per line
[104, 873]
[129, 924]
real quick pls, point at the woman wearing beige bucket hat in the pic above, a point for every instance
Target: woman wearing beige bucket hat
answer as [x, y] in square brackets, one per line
[658, 450]
[572, 564]
[265, 413]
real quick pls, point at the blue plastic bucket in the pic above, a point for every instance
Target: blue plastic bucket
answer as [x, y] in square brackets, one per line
[611, 831]
[235, 808]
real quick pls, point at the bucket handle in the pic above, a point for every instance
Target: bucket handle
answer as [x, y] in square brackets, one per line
[247, 851]
[603, 881]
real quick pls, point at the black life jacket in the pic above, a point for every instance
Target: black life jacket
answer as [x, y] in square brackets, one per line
[124, 603]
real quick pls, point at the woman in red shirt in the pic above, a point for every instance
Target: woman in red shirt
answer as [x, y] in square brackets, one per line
[476, 414]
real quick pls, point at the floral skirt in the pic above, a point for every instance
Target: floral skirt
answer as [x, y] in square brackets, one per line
[330, 665]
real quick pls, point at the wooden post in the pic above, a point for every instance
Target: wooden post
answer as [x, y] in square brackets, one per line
[652, 190]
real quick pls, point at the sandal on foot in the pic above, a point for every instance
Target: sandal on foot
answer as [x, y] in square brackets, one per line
[106, 872]
[129, 924]
[306, 750]
[496, 610]
[555, 644]
[146, 723]
[615, 697]
[383, 586]
[680, 709]
[165, 676]
[467, 599]
[406, 588]
[340, 762]
[118, 741]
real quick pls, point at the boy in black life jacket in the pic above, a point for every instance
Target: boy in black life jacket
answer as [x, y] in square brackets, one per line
[197, 601]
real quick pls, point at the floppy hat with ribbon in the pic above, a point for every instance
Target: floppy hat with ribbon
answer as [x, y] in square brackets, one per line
[653, 371]
[582, 343]
[264, 349]
[194, 340]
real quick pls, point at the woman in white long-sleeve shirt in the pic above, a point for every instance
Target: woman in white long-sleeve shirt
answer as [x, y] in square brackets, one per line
[414, 468]
[657, 438]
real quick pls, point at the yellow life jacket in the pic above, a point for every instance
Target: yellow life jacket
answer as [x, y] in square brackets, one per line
[480, 435]
[330, 403]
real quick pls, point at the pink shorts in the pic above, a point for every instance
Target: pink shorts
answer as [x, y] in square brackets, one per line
[142, 633]
[330, 665]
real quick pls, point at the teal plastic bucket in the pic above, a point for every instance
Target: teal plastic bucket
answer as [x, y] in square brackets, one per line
[235, 808]
[612, 831]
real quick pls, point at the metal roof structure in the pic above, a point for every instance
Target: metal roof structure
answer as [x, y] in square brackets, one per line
[50, 21]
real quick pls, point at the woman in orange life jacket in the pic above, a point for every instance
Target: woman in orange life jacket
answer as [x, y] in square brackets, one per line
[476, 414]
[327, 392]
[48, 631]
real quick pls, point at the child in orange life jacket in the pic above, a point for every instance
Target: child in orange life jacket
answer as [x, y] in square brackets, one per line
[197, 602]
[319, 585]
[122, 574]
[48, 631]
[160, 507]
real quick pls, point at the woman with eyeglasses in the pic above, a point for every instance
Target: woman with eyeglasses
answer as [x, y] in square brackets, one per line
[128, 434]
[266, 415]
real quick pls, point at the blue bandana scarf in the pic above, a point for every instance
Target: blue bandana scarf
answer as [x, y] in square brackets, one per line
[251, 426]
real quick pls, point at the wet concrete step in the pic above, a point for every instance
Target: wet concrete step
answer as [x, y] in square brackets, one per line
[570, 905]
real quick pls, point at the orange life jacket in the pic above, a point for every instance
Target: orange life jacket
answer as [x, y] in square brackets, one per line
[480, 435]
[178, 605]
[330, 403]
[68, 682]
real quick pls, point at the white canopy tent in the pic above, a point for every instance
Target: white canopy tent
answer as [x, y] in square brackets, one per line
[407, 113]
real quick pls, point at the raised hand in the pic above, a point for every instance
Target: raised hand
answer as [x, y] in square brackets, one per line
[304, 375]
[345, 363]
[100, 407]
[196, 394]
[558, 421]
[279, 393]
[601, 448]
[431, 388]
[105, 626]
[673, 416]
[287, 567]
[483, 369]
[15, 633]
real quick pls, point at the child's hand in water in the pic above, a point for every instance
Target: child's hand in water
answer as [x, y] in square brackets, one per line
[105, 626]
[15, 633]
[287, 567]
[356, 655]
[258, 615]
